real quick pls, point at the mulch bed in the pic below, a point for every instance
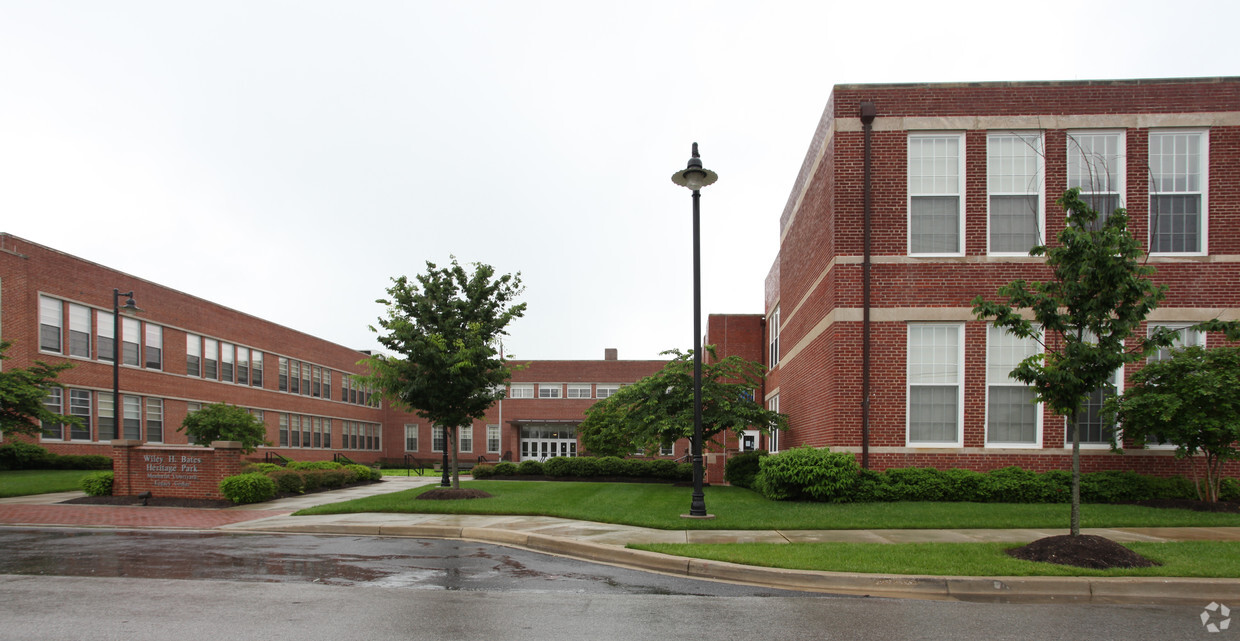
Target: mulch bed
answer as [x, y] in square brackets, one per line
[1082, 551]
[450, 494]
[154, 501]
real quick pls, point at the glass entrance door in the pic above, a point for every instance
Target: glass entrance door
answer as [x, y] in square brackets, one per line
[541, 442]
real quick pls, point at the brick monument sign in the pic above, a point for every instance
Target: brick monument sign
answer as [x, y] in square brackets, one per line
[177, 471]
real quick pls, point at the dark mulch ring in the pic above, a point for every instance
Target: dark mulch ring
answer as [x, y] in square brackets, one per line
[1193, 504]
[449, 494]
[154, 501]
[1082, 551]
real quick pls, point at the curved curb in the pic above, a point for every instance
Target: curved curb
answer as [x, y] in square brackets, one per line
[1126, 590]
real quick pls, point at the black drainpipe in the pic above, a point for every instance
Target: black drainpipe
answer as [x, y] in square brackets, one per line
[868, 112]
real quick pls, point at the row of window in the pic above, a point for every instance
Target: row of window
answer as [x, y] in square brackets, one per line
[142, 418]
[1096, 164]
[77, 330]
[559, 390]
[316, 432]
[464, 435]
[306, 379]
[935, 389]
[219, 361]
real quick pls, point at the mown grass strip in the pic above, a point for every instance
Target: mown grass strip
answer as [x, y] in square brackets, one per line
[27, 482]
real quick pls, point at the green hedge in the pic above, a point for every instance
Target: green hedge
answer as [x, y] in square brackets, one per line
[97, 484]
[741, 469]
[254, 487]
[20, 455]
[313, 465]
[807, 473]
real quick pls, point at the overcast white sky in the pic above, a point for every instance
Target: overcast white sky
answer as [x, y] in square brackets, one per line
[287, 158]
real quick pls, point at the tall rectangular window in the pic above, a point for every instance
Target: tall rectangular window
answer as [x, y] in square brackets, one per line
[283, 430]
[132, 417]
[227, 362]
[294, 377]
[772, 439]
[154, 348]
[411, 438]
[935, 186]
[53, 403]
[79, 330]
[193, 355]
[1096, 428]
[79, 407]
[579, 390]
[772, 326]
[437, 441]
[344, 388]
[466, 437]
[316, 383]
[352, 390]
[190, 408]
[493, 443]
[107, 416]
[104, 329]
[50, 324]
[1096, 167]
[1178, 183]
[131, 337]
[154, 420]
[305, 431]
[256, 369]
[935, 383]
[243, 365]
[327, 433]
[294, 430]
[305, 379]
[210, 359]
[1012, 418]
[283, 374]
[327, 384]
[1014, 186]
[318, 432]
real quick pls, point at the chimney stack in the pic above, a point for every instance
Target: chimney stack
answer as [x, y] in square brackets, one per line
[610, 354]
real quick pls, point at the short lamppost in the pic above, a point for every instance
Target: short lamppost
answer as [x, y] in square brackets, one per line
[694, 178]
[130, 308]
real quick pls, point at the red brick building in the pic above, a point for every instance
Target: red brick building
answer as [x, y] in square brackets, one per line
[181, 352]
[963, 181]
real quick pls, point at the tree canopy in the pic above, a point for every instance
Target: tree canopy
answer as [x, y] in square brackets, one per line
[443, 329]
[224, 422]
[1192, 401]
[657, 410]
[22, 391]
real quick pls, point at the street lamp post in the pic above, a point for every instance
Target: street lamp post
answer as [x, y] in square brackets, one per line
[130, 307]
[694, 178]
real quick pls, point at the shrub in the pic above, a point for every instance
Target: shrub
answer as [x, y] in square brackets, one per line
[97, 484]
[311, 480]
[20, 455]
[634, 467]
[584, 467]
[558, 466]
[807, 473]
[918, 484]
[662, 469]
[1017, 485]
[314, 465]
[336, 478]
[505, 468]
[530, 468]
[483, 471]
[265, 468]
[363, 472]
[611, 466]
[1115, 487]
[741, 469]
[287, 481]
[248, 488]
[684, 472]
[1229, 490]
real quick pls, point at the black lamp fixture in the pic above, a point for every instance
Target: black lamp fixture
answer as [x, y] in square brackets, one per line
[130, 308]
[694, 177]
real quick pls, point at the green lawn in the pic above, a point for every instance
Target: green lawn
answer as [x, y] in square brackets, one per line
[660, 506]
[25, 482]
[1205, 559]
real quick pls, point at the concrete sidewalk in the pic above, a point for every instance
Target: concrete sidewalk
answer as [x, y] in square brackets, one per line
[604, 543]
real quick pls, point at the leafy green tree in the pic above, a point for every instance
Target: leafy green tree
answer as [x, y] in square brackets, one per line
[1191, 400]
[445, 330]
[1094, 304]
[657, 410]
[22, 391]
[224, 422]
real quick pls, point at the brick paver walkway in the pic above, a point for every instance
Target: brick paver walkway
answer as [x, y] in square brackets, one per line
[127, 516]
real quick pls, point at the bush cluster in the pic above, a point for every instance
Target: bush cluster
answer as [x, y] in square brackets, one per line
[254, 487]
[97, 484]
[306, 476]
[819, 475]
[20, 455]
[588, 467]
[741, 469]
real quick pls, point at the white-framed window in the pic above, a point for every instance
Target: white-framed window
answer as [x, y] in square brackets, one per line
[935, 194]
[243, 365]
[772, 325]
[104, 330]
[1096, 166]
[107, 416]
[79, 407]
[154, 420]
[131, 406]
[210, 359]
[193, 354]
[411, 437]
[580, 390]
[521, 390]
[667, 450]
[437, 441]
[131, 337]
[154, 347]
[465, 435]
[294, 376]
[493, 439]
[605, 390]
[79, 330]
[1014, 192]
[192, 406]
[935, 384]
[54, 403]
[1012, 417]
[227, 361]
[50, 324]
[550, 390]
[1097, 430]
[1185, 337]
[772, 439]
[1178, 191]
[327, 384]
[283, 442]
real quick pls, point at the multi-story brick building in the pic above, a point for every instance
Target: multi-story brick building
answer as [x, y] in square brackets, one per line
[870, 297]
[181, 352]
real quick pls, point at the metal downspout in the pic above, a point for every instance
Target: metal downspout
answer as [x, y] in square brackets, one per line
[868, 112]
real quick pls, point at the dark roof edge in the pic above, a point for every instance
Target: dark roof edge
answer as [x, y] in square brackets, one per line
[1042, 83]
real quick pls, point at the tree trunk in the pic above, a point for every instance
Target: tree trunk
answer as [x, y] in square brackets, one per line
[454, 460]
[1074, 521]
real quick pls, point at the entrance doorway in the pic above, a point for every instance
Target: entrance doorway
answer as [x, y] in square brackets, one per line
[541, 442]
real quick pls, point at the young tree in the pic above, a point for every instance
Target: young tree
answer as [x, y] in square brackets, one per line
[445, 331]
[1191, 400]
[224, 422]
[1099, 295]
[658, 409]
[22, 391]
